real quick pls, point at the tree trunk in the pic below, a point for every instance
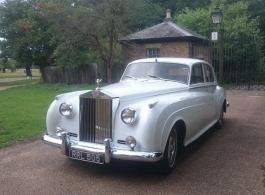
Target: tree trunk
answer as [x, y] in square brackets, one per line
[109, 74]
[42, 72]
[3, 70]
[28, 71]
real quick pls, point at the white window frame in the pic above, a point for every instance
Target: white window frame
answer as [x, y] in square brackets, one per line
[153, 52]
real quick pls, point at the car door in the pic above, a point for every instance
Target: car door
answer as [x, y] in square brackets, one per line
[211, 88]
[203, 101]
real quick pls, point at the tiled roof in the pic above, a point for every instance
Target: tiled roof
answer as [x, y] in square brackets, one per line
[164, 30]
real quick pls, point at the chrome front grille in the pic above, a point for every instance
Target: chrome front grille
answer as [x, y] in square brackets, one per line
[95, 119]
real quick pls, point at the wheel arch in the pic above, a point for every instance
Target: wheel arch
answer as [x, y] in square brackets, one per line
[181, 131]
[180, 126]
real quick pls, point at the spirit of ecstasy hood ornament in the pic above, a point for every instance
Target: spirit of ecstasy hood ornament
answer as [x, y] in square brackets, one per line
[98, 84]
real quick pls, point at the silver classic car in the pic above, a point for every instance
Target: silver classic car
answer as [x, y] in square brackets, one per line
[159, 105]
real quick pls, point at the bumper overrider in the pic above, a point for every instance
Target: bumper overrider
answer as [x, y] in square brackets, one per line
[106, 151]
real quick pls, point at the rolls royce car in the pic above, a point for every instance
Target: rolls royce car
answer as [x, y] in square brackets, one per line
[159, 105]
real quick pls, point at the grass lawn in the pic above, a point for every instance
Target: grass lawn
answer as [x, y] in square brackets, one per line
[19, 73]
[23, 109]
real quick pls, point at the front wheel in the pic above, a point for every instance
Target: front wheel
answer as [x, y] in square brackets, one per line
[167, 164]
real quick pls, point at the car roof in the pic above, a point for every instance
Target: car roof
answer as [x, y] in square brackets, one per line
[187, 61]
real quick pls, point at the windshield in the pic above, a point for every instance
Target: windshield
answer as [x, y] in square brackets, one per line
[157, 70]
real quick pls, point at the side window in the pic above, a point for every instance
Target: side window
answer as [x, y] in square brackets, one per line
[196, 74]
[208, 73]
[153, 53]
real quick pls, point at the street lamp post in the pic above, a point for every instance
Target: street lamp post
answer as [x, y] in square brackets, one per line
[217, 17]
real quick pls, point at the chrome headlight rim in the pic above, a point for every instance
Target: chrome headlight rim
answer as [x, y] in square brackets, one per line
[129, 116]
[66, 109]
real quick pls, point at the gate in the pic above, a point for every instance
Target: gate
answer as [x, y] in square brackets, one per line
[242, 62]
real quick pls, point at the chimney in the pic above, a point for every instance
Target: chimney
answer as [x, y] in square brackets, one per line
[168, 16]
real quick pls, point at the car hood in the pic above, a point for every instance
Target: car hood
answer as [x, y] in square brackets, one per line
[129, 90]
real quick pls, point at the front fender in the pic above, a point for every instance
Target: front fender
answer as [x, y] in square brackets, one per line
[153, 125]
[54, 118]
[180, 110]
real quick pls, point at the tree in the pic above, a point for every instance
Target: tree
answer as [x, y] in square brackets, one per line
[89, 29]
[179, 5]
[236, 19]
[142, 14]
[88, 24]
[9, 64]
[27, 37]
[257, 10]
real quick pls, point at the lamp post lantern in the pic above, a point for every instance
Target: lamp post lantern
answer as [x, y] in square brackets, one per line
[217, 17]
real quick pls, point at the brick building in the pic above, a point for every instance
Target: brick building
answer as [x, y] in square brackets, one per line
[166, 39]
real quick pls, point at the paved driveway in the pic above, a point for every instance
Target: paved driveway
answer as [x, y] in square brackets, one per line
[4, 80]
[225, 161]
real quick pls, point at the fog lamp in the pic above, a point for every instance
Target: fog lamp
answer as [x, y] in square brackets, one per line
[131, 142]
[59, 131]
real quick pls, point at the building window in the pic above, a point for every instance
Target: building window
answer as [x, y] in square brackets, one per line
[153, 53]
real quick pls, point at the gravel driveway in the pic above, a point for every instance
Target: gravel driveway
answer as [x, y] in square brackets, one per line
[226, 161]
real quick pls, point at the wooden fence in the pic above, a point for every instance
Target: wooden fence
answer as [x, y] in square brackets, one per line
[79, 75]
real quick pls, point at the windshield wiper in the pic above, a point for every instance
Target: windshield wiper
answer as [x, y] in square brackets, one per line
[130, 77]
[156, 77]
[153, 76]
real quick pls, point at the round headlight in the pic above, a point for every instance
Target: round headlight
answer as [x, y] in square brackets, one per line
[130, 142]
[128, 116]
[66, 109]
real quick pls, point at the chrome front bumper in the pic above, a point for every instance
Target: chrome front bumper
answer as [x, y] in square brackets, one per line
[65, 144]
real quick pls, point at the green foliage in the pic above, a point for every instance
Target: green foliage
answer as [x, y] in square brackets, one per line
[191, 4]
[88, 31]
[9, 64]
[256, 9]
[179, 5]
[66, 55]
[87, 27]
[196, 20]
[148, 14]
[27, 38]
[236, 19]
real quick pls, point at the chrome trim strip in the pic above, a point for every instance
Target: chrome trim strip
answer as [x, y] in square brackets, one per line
[137, 156]
[107, 150]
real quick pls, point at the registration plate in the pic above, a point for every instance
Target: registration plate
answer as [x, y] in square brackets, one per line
[86, 156]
